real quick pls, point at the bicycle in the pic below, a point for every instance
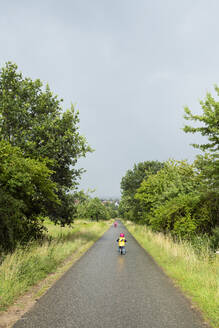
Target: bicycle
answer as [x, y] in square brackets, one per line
[122, 250]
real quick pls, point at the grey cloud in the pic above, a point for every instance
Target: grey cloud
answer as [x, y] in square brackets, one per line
[130, 67]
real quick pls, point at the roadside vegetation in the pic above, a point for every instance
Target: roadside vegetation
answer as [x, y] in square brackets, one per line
[40, 145]
[94, 208]
[177, 197]
[194, 269]
[40, 204]
[174, 203]
[29, 264]
[172, 209]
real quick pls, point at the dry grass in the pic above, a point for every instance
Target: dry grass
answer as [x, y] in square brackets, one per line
[27, 266]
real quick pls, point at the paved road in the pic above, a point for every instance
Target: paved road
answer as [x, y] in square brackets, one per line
[107, 290]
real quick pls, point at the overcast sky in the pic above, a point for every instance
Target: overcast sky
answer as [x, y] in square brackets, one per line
[130, 66]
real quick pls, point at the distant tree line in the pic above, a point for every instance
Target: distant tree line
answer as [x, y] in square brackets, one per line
[39, 147]
[177, 197]
[94, 208]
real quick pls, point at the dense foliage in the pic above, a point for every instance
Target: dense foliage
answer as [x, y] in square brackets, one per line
[112, 208]
[209, 128]
[26, 187]
[177, 197]
[93, 208]
[129, 205]
[43, 142]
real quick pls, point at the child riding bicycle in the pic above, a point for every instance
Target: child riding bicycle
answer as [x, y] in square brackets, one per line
[121, 243]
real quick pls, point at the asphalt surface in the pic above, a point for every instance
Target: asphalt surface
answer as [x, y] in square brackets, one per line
[107, 290]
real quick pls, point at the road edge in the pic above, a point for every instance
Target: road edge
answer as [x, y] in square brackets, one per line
[193, 306]
[25, 302]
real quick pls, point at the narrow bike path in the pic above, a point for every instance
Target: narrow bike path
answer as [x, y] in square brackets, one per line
[105, 290]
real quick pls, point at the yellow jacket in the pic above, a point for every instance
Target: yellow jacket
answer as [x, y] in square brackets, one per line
[121, 241]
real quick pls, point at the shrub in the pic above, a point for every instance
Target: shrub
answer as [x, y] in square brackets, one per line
[214, 239]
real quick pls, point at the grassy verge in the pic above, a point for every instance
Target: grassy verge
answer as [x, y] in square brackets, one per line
[27, 266]
[196, 274]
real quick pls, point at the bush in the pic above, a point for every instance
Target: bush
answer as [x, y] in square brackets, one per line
[214, 239]
[183, 216]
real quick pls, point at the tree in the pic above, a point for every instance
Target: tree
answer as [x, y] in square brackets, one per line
[171, 201]
[208, 164]
[96, 210]
[210, 119]
[133, 178]
[93, 209]
[111, 208]
[129, 205]
[32, 118]
[25, 188]
[174, 178]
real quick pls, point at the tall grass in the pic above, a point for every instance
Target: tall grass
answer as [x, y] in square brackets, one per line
[196, 273]
[27, 266]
